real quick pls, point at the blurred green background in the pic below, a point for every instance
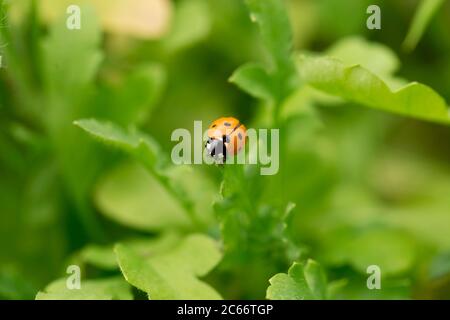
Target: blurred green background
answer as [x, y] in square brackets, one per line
[369, 187]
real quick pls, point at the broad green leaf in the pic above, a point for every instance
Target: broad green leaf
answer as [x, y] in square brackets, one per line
[316, 279]
[375, 57]
[429, 223]
[99, 256]
[392, 250]
[174, 273]
[191, 24]
[144, 149]
[301, 283]
[280, 78]
[132, 141]
[99, 289]
[72, 55]
[273, 22]
[70, 61]
[359, 85]
[254, 79]
[133, 206]
[335, 287]
[103, 257]
[427, 9]
[132, 99]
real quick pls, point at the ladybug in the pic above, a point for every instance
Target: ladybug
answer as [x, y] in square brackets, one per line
[226, 137]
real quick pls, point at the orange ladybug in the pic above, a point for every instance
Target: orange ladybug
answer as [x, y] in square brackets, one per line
[226, 137]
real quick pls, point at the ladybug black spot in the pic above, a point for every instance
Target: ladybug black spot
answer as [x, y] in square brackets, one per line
[240, 136]
[227, 124]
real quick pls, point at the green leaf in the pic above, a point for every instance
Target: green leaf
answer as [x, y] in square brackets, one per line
[254, 79]
[72, 55]
[132, 100]
[70, 62]
[174, 273]
[101, 289]
[133, 206]
[132, 141]
[375, 57]
[353, 50]
[301, 283]
[335, 287]
[392, 250]
[273, 22]
[427, 9]
[103, 257]
[280, 78]
[144, 149]
[99, 256]
[192, 24]
[427, 222]
[359, 85]
[316, 279]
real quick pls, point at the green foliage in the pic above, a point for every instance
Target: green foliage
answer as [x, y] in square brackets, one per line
[255, 80]
[133, 99]
[396, 252]
[143, 148]
[192, 23]
[303, 282]
[103, 257]
[357, 84]
[172, 274]
[279, 79]
[375, 57]
[103, 289]
[356, 186]
[133, 207]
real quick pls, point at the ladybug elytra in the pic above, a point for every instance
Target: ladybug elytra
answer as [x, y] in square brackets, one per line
[226, 137]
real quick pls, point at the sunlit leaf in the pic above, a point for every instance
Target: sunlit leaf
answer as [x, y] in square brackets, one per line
[191, 24]
[103, 257]
[303, 282]
[134, 206]
[357, 84]
[172, 274]
[101, 289]
[252, 78]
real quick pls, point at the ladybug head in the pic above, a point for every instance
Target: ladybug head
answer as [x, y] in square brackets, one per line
[216, 148]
